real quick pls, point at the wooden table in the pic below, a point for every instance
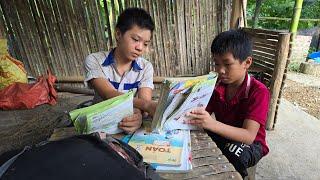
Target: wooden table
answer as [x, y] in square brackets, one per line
[208, 162]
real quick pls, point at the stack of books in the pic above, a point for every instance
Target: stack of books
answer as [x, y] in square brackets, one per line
[168, 151]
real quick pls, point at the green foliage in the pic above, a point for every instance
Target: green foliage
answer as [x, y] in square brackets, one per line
[294, 66]
[284, 9]
[312, 49]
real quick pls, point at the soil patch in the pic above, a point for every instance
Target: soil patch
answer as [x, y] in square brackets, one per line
[304, 96]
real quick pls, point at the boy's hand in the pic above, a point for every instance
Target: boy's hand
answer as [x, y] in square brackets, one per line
[151, 107]
[131, 123]
[201, 118]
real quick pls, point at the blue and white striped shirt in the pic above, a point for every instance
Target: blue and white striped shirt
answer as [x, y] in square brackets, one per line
[102, 65]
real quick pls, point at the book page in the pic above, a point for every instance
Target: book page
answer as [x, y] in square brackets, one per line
[177, 100]
[107, 121]
[199, 97]
[175, 103]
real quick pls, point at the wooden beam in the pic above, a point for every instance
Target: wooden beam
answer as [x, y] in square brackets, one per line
[277, 76]
[238, 14]
[76, 90]
[285, 19]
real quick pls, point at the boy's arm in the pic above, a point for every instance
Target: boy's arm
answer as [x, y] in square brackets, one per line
[145, 94]
[146, 86]
[246, 134]
[104, 88]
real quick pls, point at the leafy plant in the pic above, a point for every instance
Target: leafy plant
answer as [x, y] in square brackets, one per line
[294, 66]
[284, 9]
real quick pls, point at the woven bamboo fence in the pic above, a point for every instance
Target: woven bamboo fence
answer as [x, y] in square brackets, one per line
[59, 34]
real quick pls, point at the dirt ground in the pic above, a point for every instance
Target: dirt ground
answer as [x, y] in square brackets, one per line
[303, 91]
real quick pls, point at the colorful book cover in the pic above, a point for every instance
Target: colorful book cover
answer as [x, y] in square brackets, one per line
[161, 148]
[103, 116]
[186, 159]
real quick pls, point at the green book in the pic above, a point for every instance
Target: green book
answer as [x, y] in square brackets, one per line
[103, 116]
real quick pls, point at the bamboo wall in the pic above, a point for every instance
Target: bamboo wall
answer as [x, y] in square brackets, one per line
[59, 34]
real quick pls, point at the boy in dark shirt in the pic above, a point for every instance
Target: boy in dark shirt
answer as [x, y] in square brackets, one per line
[236, 115]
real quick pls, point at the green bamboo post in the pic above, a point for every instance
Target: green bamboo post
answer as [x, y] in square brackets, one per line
[295, 19]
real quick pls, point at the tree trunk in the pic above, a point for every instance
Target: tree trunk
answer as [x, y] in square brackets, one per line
[318, 46]
[255, 17]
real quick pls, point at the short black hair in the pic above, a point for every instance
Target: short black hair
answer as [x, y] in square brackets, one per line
[134, 16]
[237, 42]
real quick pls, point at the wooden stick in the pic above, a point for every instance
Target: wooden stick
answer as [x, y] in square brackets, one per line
[77, 90]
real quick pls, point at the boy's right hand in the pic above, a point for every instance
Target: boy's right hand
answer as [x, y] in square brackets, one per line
[201, 118]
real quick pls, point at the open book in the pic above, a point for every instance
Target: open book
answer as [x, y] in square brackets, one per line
[103, 116]
[180, 95]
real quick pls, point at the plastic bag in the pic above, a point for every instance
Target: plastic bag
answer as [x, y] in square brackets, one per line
[11, 71]
[27, 96]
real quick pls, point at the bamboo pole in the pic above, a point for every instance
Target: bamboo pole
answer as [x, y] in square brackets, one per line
[295, 19]
[286, 19]
[106, 11]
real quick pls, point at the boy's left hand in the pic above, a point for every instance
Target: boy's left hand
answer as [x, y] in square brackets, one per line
[131, 123]
[201, 118]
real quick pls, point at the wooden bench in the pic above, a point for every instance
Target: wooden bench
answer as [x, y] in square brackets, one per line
[270, 55]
